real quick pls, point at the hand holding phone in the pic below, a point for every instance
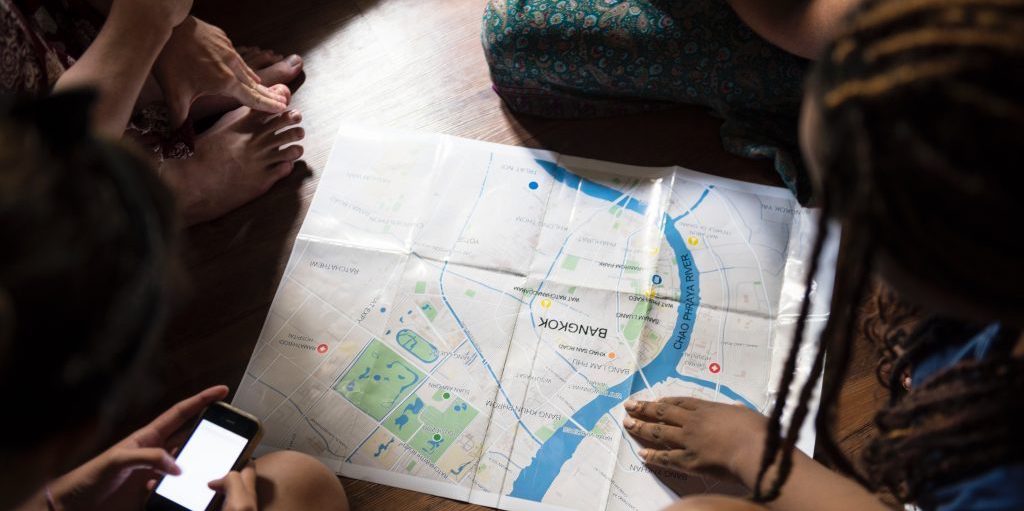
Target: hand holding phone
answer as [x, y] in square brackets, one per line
[238, 488]
[222, 440]
[102, 479]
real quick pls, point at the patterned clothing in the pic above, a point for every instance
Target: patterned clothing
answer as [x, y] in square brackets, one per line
[587, 58]
[41, 39]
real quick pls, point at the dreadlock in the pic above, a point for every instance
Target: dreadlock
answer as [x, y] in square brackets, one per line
[921, 110]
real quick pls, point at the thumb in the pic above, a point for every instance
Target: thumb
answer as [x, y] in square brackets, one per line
[151, 458]
[179, 103]
[219, 485]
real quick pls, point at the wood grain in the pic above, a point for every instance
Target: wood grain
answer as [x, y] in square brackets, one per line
[414, 64]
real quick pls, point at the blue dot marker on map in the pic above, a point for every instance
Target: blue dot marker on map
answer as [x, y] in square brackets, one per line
[656, 279]
[383, 309]
[533, 185]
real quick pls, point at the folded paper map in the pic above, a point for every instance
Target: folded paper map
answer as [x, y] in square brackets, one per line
[466, 319]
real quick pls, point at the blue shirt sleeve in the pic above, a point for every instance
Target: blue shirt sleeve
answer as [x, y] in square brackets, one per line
[997, 489]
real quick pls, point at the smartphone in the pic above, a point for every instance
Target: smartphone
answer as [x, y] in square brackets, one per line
[222, 441]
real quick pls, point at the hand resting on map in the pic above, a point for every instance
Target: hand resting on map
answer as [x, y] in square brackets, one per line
[694, 436]
[725, 441]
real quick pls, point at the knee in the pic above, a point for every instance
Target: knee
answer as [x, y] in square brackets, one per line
[292, 480]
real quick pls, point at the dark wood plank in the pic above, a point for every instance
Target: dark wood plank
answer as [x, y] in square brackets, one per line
[415, 64]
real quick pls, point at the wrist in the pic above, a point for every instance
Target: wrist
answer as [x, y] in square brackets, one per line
[144, 26]
[744, 460]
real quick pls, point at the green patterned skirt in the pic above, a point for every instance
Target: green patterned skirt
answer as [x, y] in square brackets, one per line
[589, 58]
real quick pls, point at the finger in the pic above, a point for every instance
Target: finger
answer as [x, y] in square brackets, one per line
[259, 98]
[282, 90]
[686, 403]
[249, 475]
[658, 434]
[171, 420]
[657, 411]
[151, 485]
[673, 459]
[237, 497]
[219, 485]
[240, 67]
[152, 458]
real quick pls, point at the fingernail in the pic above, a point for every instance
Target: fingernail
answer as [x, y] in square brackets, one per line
[643, 453]
[295, 114]
[629, 423]
[630, 405]
[175, 470]
[294, 60]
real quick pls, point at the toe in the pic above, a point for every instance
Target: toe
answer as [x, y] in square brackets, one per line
[275, 173]
[288, 154]
[281, 170]
[258, 58]
[280, 122]
[283, 70]
[288, 136]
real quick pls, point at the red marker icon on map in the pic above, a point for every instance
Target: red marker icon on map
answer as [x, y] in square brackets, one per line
[321, 349]
[714, 368]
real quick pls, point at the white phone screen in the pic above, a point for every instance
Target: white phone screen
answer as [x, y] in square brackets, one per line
[209, 454]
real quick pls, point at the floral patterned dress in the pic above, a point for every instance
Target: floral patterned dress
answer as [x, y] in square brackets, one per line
[41, 39]
[587, 58]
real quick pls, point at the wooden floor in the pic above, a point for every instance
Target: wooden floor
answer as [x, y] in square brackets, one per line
[414, 64]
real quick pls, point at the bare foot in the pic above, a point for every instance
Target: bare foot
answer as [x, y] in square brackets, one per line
[696, 436]
[238, 159]
[272, 68]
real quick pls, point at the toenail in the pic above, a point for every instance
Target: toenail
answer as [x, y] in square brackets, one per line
[294, 60]
[629, 423]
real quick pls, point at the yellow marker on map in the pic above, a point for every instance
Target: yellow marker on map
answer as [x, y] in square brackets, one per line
[655, 250]
[545, 303]
[650, 293]
[693, 241]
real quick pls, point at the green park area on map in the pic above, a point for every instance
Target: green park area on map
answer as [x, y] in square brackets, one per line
[378, 379]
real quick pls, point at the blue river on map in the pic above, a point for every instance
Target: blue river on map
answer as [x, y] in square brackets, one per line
[536, 478]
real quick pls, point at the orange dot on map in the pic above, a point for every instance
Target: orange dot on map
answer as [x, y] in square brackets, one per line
[611, 354]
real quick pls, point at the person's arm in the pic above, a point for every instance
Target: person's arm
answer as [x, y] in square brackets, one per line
[801, 27]
[119, 60]
[812, 487]
[198, 60]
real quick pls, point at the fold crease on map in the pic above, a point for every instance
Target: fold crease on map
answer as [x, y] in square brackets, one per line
[466, 319]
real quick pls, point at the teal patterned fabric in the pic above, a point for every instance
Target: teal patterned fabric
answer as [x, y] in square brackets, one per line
[588, 58]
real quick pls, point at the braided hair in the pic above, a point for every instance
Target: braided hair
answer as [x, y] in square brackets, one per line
[85, 230]
[922, 117]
